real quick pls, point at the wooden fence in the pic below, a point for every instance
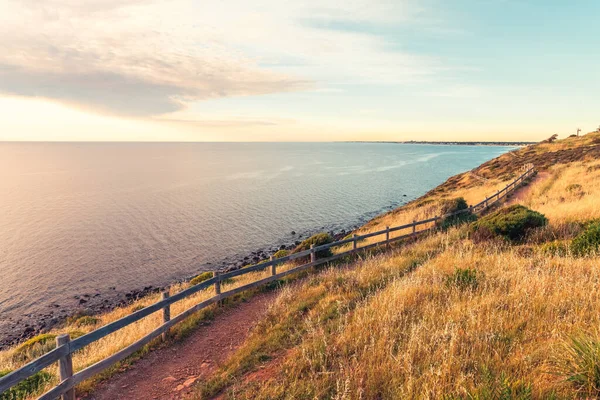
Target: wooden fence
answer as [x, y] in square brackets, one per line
[65, 347]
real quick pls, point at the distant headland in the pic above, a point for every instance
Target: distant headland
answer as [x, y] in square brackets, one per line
[451, 143]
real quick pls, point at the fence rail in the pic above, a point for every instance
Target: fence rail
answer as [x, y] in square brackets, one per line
[66, 347]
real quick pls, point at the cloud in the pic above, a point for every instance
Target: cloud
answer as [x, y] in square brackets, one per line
[147, 58]
[69, 53]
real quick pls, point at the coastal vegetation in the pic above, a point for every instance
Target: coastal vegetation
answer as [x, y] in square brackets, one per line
[444, 316]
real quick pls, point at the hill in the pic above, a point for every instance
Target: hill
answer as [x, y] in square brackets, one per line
[453, 315]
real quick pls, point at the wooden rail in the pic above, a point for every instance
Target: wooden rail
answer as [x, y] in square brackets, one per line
[65, 347]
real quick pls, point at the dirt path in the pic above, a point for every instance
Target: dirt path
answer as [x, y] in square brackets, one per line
[170, 372]
[523, 192]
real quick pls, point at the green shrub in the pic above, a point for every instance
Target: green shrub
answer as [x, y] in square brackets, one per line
[588, 241]
[34, 347]
[463, 279]
[579, 364]
[318, 240]
[87, 320]
[75, 334]
[201, 278]
[281, 253]
[511, 223]
[450, 206]
[27, 387]
[555, 248]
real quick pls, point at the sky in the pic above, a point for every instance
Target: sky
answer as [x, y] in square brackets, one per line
[314, 70]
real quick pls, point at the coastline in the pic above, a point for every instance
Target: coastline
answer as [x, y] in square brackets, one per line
[15, 331]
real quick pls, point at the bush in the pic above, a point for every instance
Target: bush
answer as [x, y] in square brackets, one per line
[511, 223]
[87, 320]
[201, 278]
[281, 253]
[463, 279]
[27, 387]
[574, 188]
[318, 240]
[555, 248]
[451, 206]
[580, 364]
[34, 347]
[588, 241]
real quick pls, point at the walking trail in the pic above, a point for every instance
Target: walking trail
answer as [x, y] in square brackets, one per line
[170, 372]
[522, 193]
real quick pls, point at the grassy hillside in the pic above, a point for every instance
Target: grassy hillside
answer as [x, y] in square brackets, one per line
[447, 316]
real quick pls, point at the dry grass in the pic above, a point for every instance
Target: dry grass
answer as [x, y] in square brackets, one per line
[570, 193]
[418, 337]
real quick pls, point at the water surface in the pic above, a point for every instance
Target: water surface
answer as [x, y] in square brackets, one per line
[106, 218]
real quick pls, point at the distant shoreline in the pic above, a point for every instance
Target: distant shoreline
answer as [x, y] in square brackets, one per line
[448, 143]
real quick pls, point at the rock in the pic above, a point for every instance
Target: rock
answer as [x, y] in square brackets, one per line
[180, 387]
[82, 301]
[169, 379]
[282, 247]
[293, 232]
[190, 381]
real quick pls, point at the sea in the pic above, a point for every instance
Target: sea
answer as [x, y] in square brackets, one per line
[85, 223]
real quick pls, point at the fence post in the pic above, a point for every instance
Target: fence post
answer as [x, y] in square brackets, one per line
[218, 282]
[65, 366]
[166, 313]
[216, 274]
[470, 209]
[273, 267]
[387, 236]
[354, 243]
[414, 232]
[313, 255]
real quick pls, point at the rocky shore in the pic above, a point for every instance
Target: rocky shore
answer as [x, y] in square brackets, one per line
[15, 331]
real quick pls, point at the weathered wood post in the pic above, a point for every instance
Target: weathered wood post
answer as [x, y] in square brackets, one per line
[313, 255]
[414, 232]
[166, 314]
[217, 285]
[486, 202]
[354, 242]
[273, 267]
[471, 209]
[65, 365]
[387, 236]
